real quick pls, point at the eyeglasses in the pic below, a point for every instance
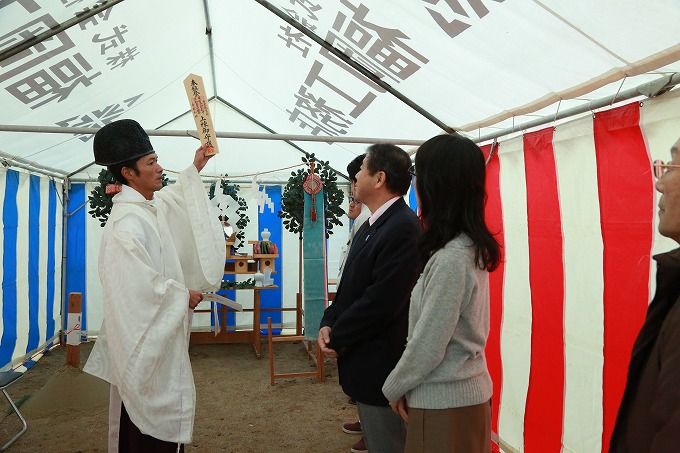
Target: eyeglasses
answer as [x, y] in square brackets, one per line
[412, 170]
[353, 200]
[660, 168]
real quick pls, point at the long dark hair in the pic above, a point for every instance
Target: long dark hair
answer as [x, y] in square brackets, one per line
[451, 192]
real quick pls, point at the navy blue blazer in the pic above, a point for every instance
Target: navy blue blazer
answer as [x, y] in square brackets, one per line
[369, 316]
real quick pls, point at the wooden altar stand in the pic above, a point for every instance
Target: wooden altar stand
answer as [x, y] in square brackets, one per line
[238, 336]
[238, 264]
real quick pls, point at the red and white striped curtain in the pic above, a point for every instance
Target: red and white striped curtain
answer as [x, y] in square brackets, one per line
[575, 209]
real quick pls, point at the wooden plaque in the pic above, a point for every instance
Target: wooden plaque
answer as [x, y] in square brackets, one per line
[193, 85]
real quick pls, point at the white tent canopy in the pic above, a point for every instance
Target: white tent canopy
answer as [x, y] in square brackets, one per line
[466, 64]
[572, 202]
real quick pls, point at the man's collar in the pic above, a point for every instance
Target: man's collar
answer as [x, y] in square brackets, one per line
[378, 212]
[129, 195]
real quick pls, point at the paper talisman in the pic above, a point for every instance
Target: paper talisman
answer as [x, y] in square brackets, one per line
[193, 85]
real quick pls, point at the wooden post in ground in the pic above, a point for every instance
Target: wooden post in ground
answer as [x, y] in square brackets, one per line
[73, 329]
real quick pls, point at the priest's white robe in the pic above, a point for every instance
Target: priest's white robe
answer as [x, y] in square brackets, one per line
[152, 252]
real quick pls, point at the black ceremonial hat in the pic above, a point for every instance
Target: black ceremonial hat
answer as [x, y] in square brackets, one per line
[119, 142]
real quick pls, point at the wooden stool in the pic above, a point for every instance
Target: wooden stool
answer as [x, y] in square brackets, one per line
[318, 359]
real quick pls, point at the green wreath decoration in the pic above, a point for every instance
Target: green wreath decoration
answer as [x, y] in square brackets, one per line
[293, 201]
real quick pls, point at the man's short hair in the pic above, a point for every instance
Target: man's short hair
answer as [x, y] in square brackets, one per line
[116, 170]
[354, 167]
[394, 162]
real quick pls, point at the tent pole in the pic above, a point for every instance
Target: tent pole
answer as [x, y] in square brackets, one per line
[651, 89]
[347, 60]
[211, 51]
[10, 161]
[80, 16]
[64, 238]
[239, 135]
[208, 32]
[80, 169]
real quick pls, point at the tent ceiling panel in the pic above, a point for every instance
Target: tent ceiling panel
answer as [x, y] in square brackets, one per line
[467, 63]
[302, 90]
[95, 72]
[607, 21]
[492, 57]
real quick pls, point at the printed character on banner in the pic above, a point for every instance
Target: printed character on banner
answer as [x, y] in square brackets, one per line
[461, 19]
[99, 117]
[112, 41]
[381, 49]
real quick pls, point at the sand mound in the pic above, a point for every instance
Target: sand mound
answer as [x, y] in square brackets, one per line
[68, 389]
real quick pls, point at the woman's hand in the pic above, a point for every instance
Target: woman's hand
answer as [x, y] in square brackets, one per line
[400, 407]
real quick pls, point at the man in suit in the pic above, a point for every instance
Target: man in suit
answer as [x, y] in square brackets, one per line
[365, 327]
[649, 415]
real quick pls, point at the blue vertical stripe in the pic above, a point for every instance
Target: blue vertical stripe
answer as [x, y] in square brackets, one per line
[51, 241]
[33, 263]
[10, 219]
[272, 298]
[75, 248]
[229, 294]
[412, 200]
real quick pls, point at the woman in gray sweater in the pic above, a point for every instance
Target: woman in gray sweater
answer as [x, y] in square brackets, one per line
[441, 386]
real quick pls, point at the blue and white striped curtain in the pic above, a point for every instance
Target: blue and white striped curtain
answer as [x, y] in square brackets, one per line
[31, 214]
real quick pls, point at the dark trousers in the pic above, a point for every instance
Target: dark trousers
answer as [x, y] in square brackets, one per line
[131, 439]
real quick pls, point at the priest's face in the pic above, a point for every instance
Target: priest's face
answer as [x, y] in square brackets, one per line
[148, 178]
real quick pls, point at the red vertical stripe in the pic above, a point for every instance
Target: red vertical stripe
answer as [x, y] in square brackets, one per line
[626, 215]
[494, 221]
[543, 418]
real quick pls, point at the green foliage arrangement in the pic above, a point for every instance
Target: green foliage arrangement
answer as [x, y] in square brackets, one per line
[246, 284]
[292, 199]
[101, 202]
